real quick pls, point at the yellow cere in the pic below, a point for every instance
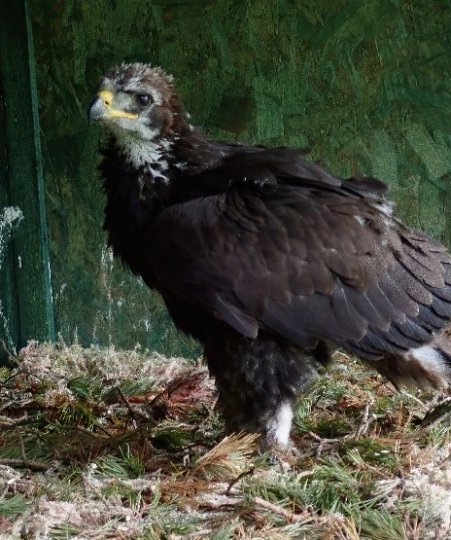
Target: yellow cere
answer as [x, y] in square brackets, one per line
[107, 97]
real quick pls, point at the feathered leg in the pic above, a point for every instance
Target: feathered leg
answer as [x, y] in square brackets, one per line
[258, 381]
[426, 365]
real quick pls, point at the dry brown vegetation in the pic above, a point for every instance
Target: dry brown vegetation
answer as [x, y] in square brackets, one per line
[103, 444]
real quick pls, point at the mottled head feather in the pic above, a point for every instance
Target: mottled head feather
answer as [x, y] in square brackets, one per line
[147, 139]
[137, 76]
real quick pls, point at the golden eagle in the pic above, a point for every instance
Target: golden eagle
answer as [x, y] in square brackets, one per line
[265, 257]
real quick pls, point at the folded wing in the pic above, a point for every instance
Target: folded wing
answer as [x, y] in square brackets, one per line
[307, 259]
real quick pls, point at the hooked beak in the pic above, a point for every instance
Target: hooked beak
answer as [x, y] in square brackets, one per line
[101, 108]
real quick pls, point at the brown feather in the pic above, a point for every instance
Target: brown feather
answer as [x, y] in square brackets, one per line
[262, 255]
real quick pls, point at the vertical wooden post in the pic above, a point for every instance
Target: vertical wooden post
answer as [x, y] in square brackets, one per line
[24, 177]
[9, 327]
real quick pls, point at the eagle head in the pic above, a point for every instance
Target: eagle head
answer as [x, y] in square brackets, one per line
[139, 106]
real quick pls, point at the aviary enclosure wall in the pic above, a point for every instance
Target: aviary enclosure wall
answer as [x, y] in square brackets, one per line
[364, 83]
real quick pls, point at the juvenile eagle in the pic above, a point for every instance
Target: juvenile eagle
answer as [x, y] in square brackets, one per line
[265, 257]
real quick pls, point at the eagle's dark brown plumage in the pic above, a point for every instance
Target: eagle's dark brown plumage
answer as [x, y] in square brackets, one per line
[264, 257]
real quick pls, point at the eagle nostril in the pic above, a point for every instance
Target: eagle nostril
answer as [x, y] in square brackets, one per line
[106, 97]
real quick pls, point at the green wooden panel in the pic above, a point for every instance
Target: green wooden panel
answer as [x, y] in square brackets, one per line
[9, 327]
[26, 293]
[364, 83]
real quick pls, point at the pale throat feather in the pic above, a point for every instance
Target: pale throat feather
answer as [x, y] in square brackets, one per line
[149, 155]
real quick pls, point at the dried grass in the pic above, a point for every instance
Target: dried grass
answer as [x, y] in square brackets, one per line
[99, 444]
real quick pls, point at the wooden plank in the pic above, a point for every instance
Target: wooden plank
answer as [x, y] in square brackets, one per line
[24, 176]
[9, 327]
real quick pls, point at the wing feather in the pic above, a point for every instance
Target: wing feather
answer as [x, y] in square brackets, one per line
[309, 260]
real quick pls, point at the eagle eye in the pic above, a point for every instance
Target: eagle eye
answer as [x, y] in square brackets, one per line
[143, 99]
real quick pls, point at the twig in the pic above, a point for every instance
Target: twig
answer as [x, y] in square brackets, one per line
[7, 422]
[90, 433]
[34, 465]
[366, 420]
[417, 400]
[303, 474]
[171, 388]
[289, 516]
[323, 441]
[22, 448]
[133, 413]
[6, 405]
[250, 472]
[190, 536]
[361, 430]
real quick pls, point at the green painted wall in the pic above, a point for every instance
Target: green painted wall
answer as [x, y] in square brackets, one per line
[26, 310]
[366, 84]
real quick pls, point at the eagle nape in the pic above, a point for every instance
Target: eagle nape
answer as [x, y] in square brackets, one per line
[265, 257]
